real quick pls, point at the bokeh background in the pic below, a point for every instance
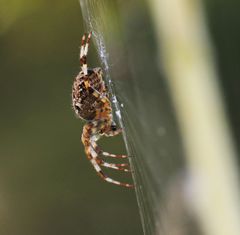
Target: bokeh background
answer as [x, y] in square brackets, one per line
[47, 185]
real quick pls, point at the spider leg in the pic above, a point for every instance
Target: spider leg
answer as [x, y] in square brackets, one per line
[113, 131]
[84, 51]
[87, 43]
[95, 150]
[120, 167]
[89, 130]
[105, 154]
[82, 48]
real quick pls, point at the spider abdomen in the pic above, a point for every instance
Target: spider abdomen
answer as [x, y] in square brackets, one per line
[85, 102]
[87, 108]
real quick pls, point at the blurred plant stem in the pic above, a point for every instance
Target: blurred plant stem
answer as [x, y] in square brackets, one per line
[191, 75]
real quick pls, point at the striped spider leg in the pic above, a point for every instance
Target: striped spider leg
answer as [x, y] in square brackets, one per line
[89, 138]
[114, 131]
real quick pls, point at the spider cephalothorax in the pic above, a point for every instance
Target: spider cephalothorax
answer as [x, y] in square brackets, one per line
[90, 100]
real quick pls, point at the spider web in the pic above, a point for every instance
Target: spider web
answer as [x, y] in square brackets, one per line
[149, 128]
[166, 191]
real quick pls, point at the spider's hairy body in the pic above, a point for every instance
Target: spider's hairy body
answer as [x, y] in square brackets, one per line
[85, 103]
[90, 101]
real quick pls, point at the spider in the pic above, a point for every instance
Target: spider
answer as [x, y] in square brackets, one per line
[90, 101]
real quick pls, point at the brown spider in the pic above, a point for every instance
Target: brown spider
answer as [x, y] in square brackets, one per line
[90, 101]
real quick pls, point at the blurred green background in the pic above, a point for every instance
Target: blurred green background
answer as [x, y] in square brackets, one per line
[223, 20]
[47, 185]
